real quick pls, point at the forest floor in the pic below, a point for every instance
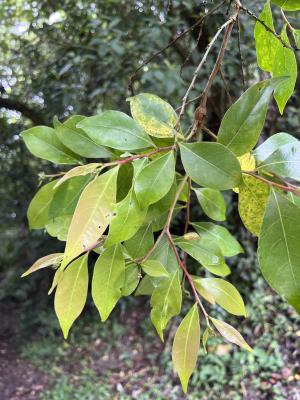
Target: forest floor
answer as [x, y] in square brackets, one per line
[123, 359]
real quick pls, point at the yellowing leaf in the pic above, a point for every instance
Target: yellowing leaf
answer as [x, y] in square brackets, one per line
[78, 171]
[253, 197]
[154, 114]
[165, 302]
[71, 292]
[57, 277]
[92, 215]
[154, 268]
[186, 346]
[230, 333]
[247, 162]
[108, 280]
[51, 259]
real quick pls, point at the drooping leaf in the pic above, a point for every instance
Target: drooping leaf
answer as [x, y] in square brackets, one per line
[154, 114]
[253, 197]
[186, 346]
[59, 226]
[155, 180]
[116, 130]
[221, 236]
[145, 287]
[284, 162]
[230, 333]
[154, 268]
[78, 171]
[132, 278]
[38, 210]
[42, 142]
[247, 162]
[211, 165]
[166, 302]
[288, 5]
[57, 277]
[224, 294]
[273, 143]
[279, 251]
[46, 261]
[285, 65]
[108, 280]
[141, 242]
[165, 255]
[92, 215]
[78, 141]
[296, 34]
[71, 293]
[243, 121]
[266, 42]
[212, 203]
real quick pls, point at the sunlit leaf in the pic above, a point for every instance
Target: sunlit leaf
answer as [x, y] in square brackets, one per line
[78, 171]
[212, 203]
[230, 333]
[46, 261]
[272, 144]
[288, 5]
[154, 268]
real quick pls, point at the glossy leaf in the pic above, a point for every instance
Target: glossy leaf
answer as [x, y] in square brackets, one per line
[38, 210]
[141, 242]
[145, 287]
[78, 141]
[132, 278]
[71, 293]
[288, 5]
[243, 121]
[42, 142]
[165, 302]
[186, 346]
[155, 180]
[266, 42]
[46, 261]
[108, 280]
[154, 268]
[273, 143]
[211, 165]
[284, 162]
[224, 294]
[230, 334]
[212, 203]
[116, 130]
[92, 215]
[219, 235]
[59, 226]
[82, 170]
[279, 251]
[165, 255]
[253, 197]
[57, 277]
[154, 114]
[285, 65]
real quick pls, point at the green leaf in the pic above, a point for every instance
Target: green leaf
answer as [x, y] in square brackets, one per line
[42, 142]
[224, 294]
[92, 215]
[141, 242]
[221, 236]
[230, 333]
[296, 33]
[154, 268]
[253, 197]
[211, 165]
[78, 141]
[284, 162]
[285, 66]
[279, 251]
[242, 123]
[165, 255]
[66, 196]
[165, 302]
[212, 203]
[108, 280]
[294, 199]
[288, 5]
[186, 346]
[38, 210]
[272, 144]
[145, 287]
[132, 278]
[154, 114]
[155, 180]
[46, 261]
[266, 42]
[71, 293]
[116, 130]
[82, 170]
[57, 277]
[59, 226]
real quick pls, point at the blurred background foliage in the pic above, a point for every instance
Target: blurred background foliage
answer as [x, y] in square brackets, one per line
[58, 58]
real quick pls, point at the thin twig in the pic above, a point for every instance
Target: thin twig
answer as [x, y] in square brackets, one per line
[226, 87]
[207, 130]
[133, 77]
[240, 52]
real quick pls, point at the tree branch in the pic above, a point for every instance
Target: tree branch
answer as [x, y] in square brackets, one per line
[24, 109]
